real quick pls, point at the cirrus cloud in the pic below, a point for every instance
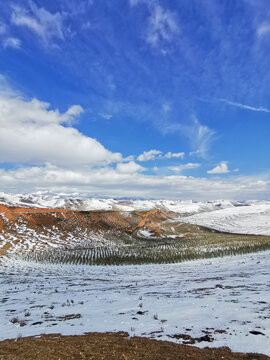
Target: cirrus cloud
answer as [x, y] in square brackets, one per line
[162, 23]
[46, 25]
[12, 42]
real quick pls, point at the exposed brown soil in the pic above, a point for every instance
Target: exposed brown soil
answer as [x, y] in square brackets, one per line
[110, 346]
[69, 221]
[111, 219]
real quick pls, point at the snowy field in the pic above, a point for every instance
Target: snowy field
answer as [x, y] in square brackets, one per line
[253, 219]
[226, 298]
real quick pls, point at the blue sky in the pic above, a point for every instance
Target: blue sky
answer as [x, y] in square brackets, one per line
[139, 98]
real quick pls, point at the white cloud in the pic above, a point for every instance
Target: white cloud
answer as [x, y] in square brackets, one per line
[107, 181]
[182, 167]
[11, 42]
[247, 107]
[200, 136]
[263, 29]
[32, 133]
[7, 40]
[129, 168]
[105, 116]
[162, 23]
[170, 155]
[46, 25]
[5, 87]
[128, 158]
[149, 155]
[157, 154]
[221, 168]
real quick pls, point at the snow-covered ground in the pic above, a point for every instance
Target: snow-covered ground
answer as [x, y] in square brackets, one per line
[77, 202]
[253, 219]
[228, 297]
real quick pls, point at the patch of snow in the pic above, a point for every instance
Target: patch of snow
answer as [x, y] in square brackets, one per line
[145, 233]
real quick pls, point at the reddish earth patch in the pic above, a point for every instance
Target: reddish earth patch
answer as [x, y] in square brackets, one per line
[106, 218]
[68, 222]
[110, 346]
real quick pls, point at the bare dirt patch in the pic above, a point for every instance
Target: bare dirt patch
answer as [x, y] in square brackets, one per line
[110, 346]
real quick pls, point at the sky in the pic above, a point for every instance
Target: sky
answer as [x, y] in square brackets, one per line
[136, 98]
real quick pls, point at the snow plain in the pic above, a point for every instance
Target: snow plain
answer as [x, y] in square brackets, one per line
[228, 294]
[253, 219]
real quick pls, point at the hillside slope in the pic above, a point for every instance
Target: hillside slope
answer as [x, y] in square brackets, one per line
[114, 237]
[253, 219]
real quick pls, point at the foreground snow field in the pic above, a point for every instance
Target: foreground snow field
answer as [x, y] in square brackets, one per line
[253, 219]
[228, 298]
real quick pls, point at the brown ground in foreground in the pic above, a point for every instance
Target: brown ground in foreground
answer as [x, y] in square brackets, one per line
[110, 346]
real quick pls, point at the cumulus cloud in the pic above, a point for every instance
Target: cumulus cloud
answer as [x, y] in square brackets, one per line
[129, 168]
[157, 154]
[108, 181]
[170, 155]
[46, 25]
[221, 168]
[149, 155]
[32, 133]
[182, 167]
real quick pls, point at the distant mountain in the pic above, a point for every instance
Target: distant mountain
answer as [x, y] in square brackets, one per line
[82, 203]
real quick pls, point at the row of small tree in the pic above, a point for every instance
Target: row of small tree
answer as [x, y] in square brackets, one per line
[144, 254]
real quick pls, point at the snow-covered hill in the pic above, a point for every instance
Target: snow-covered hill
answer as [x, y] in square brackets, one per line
[75, 202]
[252, 219]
